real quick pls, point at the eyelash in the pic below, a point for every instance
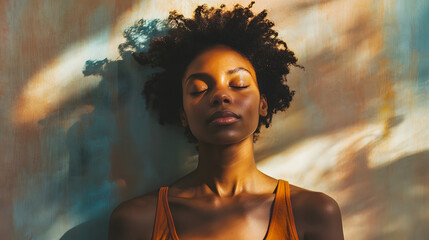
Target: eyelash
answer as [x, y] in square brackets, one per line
[198, 93]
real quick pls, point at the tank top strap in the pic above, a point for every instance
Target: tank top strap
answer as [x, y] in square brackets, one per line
[282, 225]
[291, 222]
[164, 227]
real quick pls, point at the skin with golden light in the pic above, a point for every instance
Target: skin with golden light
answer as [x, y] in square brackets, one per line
[221, 79]
[226, 196]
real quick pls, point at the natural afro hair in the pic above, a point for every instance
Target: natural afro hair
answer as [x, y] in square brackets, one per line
[240, 29]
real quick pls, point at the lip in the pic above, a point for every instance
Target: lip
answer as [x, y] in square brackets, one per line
[223, 117]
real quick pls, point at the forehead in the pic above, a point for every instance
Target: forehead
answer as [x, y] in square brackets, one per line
[217, 59]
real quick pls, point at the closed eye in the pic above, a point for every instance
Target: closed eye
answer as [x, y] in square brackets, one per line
[198, 93]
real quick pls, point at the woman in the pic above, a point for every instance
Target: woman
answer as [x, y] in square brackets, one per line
[224, 77]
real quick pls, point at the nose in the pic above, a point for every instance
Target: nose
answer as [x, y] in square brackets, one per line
[220, 96]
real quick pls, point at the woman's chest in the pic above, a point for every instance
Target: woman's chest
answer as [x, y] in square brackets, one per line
[247, 218]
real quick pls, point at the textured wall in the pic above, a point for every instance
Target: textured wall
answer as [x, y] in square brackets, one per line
[73, 146]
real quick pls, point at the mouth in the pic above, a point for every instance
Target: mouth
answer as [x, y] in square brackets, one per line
[223, 118]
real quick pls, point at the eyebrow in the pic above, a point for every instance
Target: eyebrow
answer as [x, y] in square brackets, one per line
[231, 71]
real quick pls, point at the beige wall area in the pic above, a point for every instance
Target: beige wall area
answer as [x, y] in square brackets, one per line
[74, 146]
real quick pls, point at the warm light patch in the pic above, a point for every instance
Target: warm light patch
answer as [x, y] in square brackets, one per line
[59, 81]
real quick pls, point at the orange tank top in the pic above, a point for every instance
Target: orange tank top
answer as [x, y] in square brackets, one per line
[281, 225]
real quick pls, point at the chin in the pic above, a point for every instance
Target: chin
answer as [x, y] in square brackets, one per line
[226, 139]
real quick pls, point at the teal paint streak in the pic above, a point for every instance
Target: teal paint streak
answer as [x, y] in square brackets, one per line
[407, 36]
[422, 43]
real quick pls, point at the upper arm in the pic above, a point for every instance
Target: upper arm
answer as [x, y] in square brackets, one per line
[133, 219]
[119, 224]
[323, 218]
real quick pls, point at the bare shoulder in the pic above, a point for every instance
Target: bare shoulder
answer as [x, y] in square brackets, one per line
[317, 215]
[134, 219]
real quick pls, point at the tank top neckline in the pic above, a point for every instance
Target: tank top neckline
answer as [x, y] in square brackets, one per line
[277, 198]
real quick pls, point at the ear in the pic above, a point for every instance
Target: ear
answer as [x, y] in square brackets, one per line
[263, 106]
[183, 118]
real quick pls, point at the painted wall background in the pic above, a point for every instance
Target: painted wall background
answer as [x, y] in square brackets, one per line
[73, 146]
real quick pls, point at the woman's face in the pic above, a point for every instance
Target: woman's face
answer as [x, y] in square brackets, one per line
[220, 80]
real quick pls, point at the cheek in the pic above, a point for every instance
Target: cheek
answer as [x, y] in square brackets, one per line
[250, 107]
[193, 112]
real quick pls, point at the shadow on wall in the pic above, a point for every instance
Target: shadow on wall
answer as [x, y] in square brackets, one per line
[120, 129]
[407, 220]
[391, 197]
[113, 153]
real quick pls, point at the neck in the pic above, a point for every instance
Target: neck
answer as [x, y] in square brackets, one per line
[227, 170]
